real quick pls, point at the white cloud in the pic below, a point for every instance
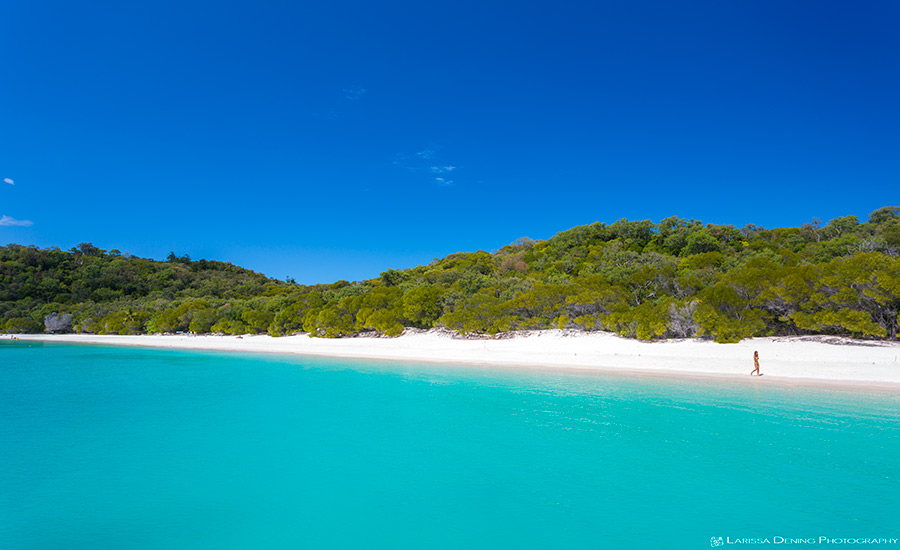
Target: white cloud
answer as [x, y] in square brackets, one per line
[425, 162]
[442, 169]
[7, 221]
[354, 93]
[9, 181]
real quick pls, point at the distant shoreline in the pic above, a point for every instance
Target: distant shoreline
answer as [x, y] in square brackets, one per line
[783, 360]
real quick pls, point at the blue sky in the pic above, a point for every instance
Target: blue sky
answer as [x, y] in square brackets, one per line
[334, 140]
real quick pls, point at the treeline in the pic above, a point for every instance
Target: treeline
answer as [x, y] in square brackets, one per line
[678, 278]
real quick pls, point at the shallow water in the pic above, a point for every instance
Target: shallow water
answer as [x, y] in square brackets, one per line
[106, 447]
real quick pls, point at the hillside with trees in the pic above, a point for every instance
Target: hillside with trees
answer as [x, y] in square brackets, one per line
[674, 279]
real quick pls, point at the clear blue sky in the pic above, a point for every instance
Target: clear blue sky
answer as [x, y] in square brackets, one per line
[334, 140]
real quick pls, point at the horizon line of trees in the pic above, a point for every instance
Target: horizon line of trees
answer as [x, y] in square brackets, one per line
[675, 279]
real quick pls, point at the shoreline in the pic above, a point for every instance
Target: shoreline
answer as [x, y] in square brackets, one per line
[783, 360]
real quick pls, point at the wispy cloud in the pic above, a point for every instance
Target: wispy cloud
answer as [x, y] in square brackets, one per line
[403, 161]
[6, 221]
[354, 92]
[430, 164]
[9, 181]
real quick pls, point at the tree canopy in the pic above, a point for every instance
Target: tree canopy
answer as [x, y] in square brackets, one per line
[678, 278]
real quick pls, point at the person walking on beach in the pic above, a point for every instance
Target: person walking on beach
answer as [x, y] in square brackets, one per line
[755, 364]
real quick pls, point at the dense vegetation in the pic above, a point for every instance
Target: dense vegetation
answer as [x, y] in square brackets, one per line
[678, 278]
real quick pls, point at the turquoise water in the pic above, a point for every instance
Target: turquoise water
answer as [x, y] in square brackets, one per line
[137, 448]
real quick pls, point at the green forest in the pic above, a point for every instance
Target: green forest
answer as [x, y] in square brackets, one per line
[674, 279]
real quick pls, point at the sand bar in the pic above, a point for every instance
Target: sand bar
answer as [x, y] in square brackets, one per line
[783, 360]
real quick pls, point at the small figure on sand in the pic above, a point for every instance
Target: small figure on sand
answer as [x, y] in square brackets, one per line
[755, 364]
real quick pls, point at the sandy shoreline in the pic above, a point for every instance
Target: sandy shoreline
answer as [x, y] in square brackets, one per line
[783, 360]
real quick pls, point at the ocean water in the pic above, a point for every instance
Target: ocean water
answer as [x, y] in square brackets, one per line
[126, 448]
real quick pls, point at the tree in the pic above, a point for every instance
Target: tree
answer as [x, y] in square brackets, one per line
[886, 214]
[386, 321]
[22, 325]
[646, 321]
[422, 305]
[841, 226]
[725, 316]
[257, 321]
[126, 321]
[681, 319]
[699, 242]
[393, 277]
[868, 283]
[482, 313]
[678, 278]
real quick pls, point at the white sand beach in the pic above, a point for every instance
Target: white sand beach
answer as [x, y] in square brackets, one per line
[811, 360]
